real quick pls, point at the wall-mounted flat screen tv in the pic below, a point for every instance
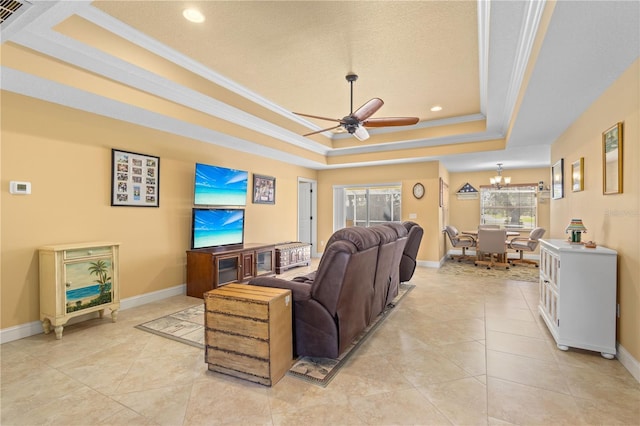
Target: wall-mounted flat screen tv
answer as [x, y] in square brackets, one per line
[217, 227]
[220, 186]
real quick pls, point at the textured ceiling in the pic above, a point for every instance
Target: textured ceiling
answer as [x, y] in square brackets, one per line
[413, 55]
[511, 76]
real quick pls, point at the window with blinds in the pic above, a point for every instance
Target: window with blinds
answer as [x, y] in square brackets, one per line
[513, 206]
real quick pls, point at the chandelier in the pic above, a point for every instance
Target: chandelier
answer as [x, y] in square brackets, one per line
[498, 180]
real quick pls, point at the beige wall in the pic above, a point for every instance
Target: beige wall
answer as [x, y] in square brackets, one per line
[465, 213]
[611, 220]
[66, 155]
[426, 209]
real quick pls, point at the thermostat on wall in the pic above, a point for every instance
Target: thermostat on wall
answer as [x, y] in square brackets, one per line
[22, 188]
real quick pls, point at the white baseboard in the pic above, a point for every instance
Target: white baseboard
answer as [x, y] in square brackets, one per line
[629, 362]
[154, 296]
[428, 263]
[35, 327]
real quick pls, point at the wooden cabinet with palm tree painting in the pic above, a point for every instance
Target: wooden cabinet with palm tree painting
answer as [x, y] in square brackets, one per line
[77, 279]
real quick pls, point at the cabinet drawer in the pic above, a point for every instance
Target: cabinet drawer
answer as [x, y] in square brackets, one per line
[238, 344]
[87, 252]
[238, 325]
[237, 362]
[242, 308]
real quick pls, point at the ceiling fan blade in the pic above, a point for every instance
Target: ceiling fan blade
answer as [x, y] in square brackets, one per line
[318, 117]
[368, 109]
[323, 130]
[390, 121]
[361, 134]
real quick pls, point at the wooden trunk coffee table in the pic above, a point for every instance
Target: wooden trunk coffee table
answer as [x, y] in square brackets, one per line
[248, 332]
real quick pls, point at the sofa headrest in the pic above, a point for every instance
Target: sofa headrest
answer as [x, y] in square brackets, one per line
[400, 229]
[386, 234]
[361, 238]
[409, 224]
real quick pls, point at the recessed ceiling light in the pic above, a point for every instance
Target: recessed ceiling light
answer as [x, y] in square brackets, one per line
[193, 15]
[436, 108]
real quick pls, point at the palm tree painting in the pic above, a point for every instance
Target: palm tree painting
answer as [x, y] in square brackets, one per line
[100, 269]
[92, 284]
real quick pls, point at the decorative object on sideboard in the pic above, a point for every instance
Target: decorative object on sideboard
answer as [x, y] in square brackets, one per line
[612, 160]
[498, 180]
[577, 175]
[576, 228]
[590, 244]
[264, 189]
[557, 180]
[135, 179]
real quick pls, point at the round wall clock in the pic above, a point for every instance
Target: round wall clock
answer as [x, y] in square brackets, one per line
[418, 190]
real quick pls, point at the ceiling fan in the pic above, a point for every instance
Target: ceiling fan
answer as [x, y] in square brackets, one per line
[355, 122]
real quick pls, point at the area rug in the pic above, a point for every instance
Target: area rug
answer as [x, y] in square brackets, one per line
[519, 272]
[187, 326]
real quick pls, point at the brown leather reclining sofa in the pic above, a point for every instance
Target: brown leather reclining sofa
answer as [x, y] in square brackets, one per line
[333, 305]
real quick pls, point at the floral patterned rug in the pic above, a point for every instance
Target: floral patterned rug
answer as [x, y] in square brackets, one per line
[520, 272]
[187, 326]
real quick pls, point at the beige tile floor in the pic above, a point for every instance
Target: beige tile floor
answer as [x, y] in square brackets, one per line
[455, 351]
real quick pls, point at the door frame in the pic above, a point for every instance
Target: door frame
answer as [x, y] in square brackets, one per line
[314, 214]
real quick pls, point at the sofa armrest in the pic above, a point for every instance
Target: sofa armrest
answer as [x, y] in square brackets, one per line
[300, 291]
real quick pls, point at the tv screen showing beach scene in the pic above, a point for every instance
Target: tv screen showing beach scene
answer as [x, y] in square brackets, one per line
[217, 227]
[220, 186]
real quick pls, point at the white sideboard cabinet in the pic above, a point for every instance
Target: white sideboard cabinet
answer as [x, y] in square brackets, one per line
[77, 279]
[578, 295]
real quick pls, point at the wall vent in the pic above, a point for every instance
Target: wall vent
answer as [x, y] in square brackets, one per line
[9, 9]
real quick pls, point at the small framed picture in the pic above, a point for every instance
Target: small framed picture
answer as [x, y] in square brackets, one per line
[557, 180]
[577, 175]
[135, 179]
[264, 189]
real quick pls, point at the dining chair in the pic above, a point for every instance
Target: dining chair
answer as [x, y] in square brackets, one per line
[488, 226]
[459, 241]
[522, 244]
[492, 243]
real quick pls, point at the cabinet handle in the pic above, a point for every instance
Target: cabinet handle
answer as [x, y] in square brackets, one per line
[90, 252]
[547, 281]
[68, 284]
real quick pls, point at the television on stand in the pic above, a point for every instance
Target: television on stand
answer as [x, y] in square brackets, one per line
[216, 227]
[220, 186]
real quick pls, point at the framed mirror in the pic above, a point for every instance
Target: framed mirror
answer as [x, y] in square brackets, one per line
[577, 175]
[557, 180]
[612, 160]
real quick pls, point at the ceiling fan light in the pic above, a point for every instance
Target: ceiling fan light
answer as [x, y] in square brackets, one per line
[361, 133]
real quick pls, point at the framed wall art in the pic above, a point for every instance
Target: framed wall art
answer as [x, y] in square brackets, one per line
[264, 189]
[557, 180]
[135, 179]
[612, 160]
[577, 175]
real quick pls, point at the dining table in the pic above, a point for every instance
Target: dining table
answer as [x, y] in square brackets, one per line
[503, 257]
[475, 233]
